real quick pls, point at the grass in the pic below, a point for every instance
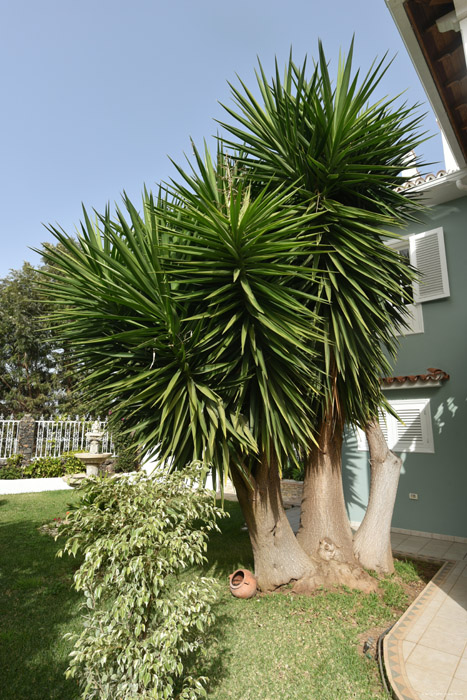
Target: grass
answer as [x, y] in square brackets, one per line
[272, 647]
[37, 603]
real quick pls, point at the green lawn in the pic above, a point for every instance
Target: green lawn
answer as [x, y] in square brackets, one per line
[269, 648]
[37, 604]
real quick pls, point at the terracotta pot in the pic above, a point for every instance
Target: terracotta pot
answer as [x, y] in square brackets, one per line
[242, 584]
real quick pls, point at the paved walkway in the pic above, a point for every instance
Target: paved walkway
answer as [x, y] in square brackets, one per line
[425, 653]
[11, 486]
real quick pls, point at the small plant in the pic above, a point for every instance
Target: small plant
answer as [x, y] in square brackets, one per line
[143, 624]
[71, 463]
[12, 469]
[46, 467]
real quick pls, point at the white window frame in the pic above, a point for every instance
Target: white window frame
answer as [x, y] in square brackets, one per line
[414, 243]
[394, 429]
[415, 313]
[422, 295]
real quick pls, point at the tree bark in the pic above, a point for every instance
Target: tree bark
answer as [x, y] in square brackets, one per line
[279, 559]
[323, 513]
[325, 532]
[372, 541]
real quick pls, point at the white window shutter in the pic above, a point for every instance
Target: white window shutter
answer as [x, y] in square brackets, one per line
[385, 424]
[414, 434]
[414, 319]
[384, 421]
[428, 255]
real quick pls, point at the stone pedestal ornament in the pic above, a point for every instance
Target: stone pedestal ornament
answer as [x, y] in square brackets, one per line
[94, 459]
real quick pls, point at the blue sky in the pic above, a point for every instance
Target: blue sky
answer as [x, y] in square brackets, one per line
[97, 94]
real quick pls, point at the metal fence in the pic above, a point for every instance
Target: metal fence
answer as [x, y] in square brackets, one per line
[54, 437]
[8, 436]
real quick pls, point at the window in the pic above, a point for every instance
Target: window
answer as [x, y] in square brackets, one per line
[426, 252]
[415, 434]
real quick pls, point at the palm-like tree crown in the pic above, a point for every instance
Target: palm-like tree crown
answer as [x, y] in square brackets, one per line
[191, 318]
[345, 159]
[256, 295]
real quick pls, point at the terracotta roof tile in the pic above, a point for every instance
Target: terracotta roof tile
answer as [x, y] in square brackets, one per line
[434, 375]
[420, 180]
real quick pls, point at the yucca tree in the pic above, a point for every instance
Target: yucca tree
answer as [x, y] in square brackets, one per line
[194, 323]
[345, 157]
[244, 314]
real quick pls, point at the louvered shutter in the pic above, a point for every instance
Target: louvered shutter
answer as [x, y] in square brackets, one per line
[414, 434]
[427, 254]
[384, 421]
[385, 424]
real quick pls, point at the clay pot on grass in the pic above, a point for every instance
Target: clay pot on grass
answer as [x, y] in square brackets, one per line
[242, 584]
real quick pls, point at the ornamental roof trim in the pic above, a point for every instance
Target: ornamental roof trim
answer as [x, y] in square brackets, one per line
[434, 376]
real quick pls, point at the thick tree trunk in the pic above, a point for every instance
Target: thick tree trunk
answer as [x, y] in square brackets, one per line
[323, 513]
[372, 542]
[279, 559]
[325, 532]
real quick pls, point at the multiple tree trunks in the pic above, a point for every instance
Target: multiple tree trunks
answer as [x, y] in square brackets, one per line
[372, 541]
[324, 552]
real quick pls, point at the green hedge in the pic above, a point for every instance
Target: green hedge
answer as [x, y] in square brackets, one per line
[41, 467]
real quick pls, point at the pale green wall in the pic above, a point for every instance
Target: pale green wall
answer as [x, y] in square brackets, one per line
[440, 479]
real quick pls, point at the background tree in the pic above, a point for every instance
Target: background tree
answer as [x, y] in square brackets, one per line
[27, 381]
[37, 374]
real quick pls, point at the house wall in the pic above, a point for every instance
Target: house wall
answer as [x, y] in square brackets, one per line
[439, 479]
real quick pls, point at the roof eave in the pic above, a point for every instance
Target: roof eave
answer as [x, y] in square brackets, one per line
[401, 20]
[443, 189]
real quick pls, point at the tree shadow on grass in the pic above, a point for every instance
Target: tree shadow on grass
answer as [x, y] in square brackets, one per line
[229, 549]
[37, 606]
[213, 662]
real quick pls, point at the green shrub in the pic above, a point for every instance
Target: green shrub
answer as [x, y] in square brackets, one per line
[15, 460]
[295, 467]
[43, 467]
[143, 624]
[71, 463]
[12, 469]
[46, 467]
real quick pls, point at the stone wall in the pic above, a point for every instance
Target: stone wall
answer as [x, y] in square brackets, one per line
[291, 491]
[26, 437]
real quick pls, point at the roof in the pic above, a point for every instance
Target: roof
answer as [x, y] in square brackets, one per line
[444, 54]
[434, 377]
[432, 31]
[421, 180]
